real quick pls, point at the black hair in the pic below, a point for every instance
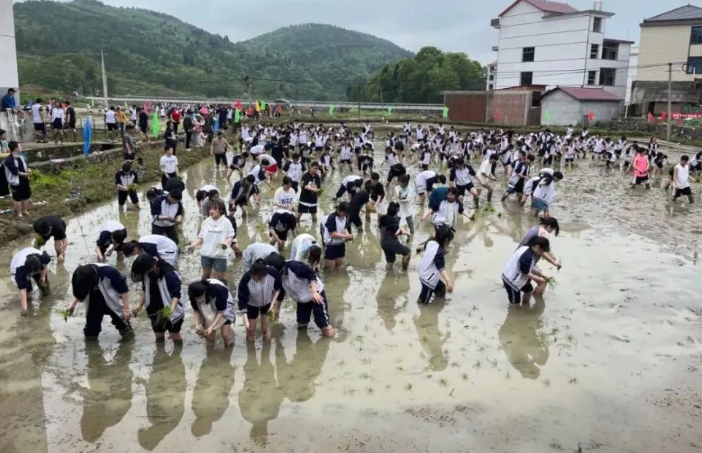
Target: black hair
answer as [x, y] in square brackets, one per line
[276, 261]
[176, 194]
[259, 268]
[393, 208]
[551, 222]
[314, 164]
[12, 145]
[219, 204]
[119, 236]
[84, 279]
[250, 179]
[444, 236]
[295, 156]
[32, 264]
[314, 254]
[442, 179]
[2, 131]
[141, 266]
[343, 207]
[197, 289]
[287, 180]
[541, 242]
[129, 247]
[453, 190]
[43, 227]
[359, 182]
[200, 195]
[375, 176]
[126, 166]
[683, 157]
[404, 179]
[493, 156]
[557, 175]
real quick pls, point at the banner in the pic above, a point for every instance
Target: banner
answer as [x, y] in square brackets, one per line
[237, 115]
[445, 112]
[87, 135]
[331, 110]
[155, 125]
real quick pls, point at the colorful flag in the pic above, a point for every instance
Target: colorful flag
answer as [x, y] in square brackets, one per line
[215, 127]
[547, 115]
[590, 116]
[92, 102]
[331, 110]
[258, 107]
[238, 104]
[263, 105]
[237, 115]
[87, 135]
[389, 111]
[498, 115]
[445, 112]
[664, 115]
[155, 125]
[125, 104]
[651, 119]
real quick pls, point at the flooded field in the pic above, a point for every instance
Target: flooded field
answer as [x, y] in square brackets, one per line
[609, 361]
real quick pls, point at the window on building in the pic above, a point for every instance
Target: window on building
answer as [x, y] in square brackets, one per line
[592, 77]
[610, 50]
[696, 35]
[490, 87]
[594, 51]
[526, 78]
[694, 65]
[536, 98]
[528, 54]
[608, 76]
[597, 25]
[491, 77]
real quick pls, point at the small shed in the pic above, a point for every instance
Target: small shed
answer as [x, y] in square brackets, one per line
[563, 106]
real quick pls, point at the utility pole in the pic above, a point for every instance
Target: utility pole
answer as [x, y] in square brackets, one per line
[670, 102]
[104, 79]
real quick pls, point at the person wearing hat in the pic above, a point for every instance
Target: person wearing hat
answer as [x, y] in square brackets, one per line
[167, 212]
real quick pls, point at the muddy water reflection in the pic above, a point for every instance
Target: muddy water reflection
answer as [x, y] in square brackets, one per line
[593, 358]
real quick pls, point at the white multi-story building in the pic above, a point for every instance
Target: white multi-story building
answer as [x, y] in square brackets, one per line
[553, 44]
[8, 50]
[633, 64]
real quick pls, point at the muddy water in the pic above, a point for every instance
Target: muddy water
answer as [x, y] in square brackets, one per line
[608, 361]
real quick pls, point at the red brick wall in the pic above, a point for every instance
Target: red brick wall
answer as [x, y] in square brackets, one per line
[468, 106]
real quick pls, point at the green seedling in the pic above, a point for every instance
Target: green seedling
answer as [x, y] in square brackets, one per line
[365, 376]
[443, 382]
[573, 381]
[261, 227]
[165, 312]
[464, 376]
[477, 364]
[546, 383]
[273, 317]
[132, 187]
[399, 368]
[508, 375]
[425, 338]
[555, 331]
[369, 390]
[65, 314]
[551, 282]
[39, 241]
[408, 386]
[454, 365]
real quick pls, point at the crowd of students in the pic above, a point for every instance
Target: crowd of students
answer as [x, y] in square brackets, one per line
[305, 155]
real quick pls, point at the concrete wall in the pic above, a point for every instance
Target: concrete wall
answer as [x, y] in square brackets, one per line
[644, 92]
[566, 110]
[662, 45]
[9, 77]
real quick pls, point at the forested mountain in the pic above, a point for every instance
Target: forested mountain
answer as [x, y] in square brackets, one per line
[148, 53]
[331, 55]
[420, 79]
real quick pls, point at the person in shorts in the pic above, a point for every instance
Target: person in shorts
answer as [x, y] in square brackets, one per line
[126, 180]
[216, 295]
[310, 186]
[161, 288]
[303, 286]
[70, 122]
[128, 144]
[681, 179]
[390, 232]
[521, 270]
[216, 236]
[335, 234]
[280, 225]
[38, 119]
[258, 293]
[51, 226]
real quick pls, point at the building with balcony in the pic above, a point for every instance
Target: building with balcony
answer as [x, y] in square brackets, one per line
[553, 44]
[670, 45]
[491, 71]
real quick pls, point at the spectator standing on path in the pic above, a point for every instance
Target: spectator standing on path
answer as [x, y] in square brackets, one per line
[219, 149]
[70, 122]
[111, 122]
[38, 119]
[143, 124]
[17, 173]
[121, 120]
[188, 126]
[175, 119]
[8, 102]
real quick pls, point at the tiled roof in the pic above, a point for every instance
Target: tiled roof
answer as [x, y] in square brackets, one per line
[687, 12]
[587, 94]
[545, 6]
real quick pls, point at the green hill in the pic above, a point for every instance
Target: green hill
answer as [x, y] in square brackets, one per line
[332, 55]
[148, 53]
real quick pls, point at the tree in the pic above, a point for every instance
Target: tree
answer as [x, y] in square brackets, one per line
[422, 78]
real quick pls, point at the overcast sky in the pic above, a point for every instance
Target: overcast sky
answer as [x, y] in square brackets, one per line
[451, 25]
